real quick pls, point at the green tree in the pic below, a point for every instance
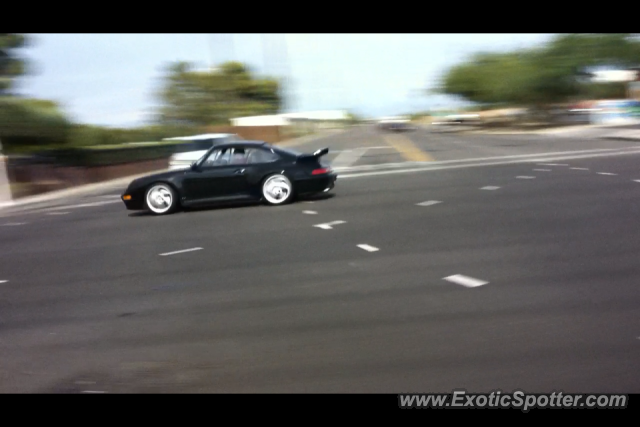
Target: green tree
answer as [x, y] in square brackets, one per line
[554, 73]
[31, 124]
[11, 65]
[201, 98]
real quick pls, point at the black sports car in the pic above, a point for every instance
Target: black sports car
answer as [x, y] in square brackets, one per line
[238, 170]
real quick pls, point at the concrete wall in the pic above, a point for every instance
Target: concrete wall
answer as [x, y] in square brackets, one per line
[28, 180]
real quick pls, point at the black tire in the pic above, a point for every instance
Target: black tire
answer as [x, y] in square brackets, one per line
[162, 193]
[277, 189]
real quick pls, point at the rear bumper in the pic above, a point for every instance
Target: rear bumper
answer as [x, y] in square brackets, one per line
[317, 184]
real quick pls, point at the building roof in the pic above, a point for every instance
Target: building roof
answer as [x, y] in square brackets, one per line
[200, 137]
[283, 119]
[318, 115]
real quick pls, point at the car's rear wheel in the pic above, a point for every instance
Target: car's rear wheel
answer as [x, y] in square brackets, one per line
[277, 190]
[161, 199]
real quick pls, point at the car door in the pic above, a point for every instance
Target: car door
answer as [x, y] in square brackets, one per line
[239, 171]
[220, 175]
[200, 183]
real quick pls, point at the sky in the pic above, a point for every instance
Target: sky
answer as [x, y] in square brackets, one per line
[111, 79]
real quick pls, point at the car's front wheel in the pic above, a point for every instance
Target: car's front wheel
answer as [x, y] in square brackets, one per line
[277, 190]
[161, 199]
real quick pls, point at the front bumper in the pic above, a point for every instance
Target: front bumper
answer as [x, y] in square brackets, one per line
[132, 201]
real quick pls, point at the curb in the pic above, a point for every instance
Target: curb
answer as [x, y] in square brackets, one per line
[622, 138]
[551, 131]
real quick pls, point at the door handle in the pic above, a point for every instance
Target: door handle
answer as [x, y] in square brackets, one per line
[239, 171]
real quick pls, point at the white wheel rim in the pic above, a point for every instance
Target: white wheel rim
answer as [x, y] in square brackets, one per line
[277, 189]
[159, 199]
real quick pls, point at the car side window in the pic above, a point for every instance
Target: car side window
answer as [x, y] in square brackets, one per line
[260, 155]
[239, 156]
[218, 158]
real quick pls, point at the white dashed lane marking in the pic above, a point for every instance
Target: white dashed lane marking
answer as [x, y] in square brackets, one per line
[580, 169]
[329, 225]
[309, 212]
[525, 177]
[182, 251]
[542, 170]
[468, 282]
[11, 224]
[489, 188]
[368, 248]
[553, 164]
[429, 203]
[606, 173]
[3, 281]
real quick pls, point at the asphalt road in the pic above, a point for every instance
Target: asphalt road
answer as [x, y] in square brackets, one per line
[366, 145]
[93, 298]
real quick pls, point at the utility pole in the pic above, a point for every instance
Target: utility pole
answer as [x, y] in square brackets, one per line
[5, 190]
[276, 63]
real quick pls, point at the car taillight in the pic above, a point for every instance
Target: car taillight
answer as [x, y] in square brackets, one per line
[321, 171]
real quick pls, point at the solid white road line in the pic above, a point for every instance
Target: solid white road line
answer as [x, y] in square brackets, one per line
[554, 164]
[111, 196]
[347, 158]
[182, 251]
[542, 170]
[355, 172]
[93, 392]
[309, 212]
[328, 225]
[606, 173]
[525, 177]
[580, 169]
[429, 203]
[57, 213]
[489, 188]
[465, 281]
[525, 158]
[368, 248]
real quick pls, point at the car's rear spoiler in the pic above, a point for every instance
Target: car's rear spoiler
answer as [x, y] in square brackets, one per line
[314, 156]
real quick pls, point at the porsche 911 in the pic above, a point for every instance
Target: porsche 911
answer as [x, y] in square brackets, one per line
[233, 171]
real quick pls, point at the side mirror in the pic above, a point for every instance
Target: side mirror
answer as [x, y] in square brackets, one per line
[194, 166]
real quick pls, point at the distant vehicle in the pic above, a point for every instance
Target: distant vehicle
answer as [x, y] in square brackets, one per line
[397, 124]
[191, 151]
[233, 171]
[460, 119]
